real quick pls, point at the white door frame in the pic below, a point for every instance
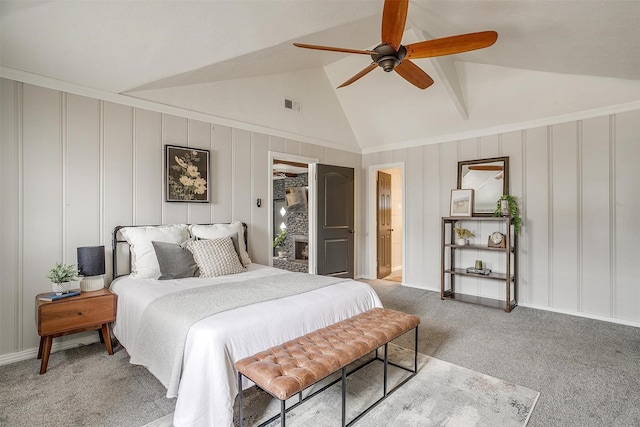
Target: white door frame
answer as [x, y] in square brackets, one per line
[274, 155]
[372, 217]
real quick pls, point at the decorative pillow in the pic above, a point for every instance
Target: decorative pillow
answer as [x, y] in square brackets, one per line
[214, 231]
[175, 261]
[236, 245]
[215, 257]
[144, 263]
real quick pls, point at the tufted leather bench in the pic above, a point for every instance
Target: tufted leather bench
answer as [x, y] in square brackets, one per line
[289, 368]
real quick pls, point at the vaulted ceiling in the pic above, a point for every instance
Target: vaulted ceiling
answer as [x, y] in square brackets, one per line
[235, 60]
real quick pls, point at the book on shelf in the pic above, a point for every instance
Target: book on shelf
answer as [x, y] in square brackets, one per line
[54, 296]
[483, 271]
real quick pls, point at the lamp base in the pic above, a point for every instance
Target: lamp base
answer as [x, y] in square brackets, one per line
[92, 283]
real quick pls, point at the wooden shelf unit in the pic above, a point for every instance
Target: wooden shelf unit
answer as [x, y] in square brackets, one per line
[509, 276]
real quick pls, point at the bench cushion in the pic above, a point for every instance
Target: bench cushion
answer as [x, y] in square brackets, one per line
[289, 368]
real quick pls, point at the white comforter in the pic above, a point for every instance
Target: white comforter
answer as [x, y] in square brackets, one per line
[208, 385]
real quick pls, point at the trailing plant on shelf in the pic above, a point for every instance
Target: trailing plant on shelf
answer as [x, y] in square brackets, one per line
[463, 234]
[514, 211]
[61, 275]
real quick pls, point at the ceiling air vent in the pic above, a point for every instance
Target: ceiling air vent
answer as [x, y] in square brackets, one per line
[290, 104]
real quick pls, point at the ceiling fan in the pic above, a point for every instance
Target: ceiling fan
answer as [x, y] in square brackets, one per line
[390, 55]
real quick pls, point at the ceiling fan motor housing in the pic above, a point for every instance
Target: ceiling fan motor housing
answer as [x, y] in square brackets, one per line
[387, 58]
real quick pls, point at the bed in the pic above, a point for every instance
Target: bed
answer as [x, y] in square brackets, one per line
[189, 331]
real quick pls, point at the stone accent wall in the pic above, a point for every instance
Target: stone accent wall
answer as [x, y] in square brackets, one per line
[296, 219]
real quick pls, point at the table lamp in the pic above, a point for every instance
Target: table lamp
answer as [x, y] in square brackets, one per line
[91, 266]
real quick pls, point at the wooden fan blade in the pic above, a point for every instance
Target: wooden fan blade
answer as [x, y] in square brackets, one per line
[394, 16]
[359, 75]
[335, 49]
[451, 45]
[413, 74]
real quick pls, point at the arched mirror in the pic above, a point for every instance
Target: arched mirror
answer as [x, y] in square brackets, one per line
[489, 179]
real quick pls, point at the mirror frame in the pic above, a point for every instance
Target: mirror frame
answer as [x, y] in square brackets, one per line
[505, 185]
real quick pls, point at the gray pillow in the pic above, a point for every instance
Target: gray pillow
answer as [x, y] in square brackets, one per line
[176, 262]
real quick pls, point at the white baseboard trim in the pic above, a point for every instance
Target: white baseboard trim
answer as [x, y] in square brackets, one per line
[545, 308]
[585, 315]
[32, 353]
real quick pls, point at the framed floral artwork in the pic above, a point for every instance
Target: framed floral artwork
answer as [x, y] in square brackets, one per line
[186, 174]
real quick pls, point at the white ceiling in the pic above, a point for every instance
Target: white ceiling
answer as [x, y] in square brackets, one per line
[235, 59]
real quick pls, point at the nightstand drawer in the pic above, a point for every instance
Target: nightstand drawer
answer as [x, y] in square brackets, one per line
[62, 316]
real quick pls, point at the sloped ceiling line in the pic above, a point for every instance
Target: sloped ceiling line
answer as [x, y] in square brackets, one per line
[446, 70]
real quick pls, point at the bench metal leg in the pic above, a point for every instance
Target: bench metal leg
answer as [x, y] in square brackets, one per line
[344, 396]
[386, 364]
[240, 405]
[415, 352]
[283, 413]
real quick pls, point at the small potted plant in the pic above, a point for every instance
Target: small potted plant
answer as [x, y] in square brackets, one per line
[61, 277]
[278, 242]
[508, 206]
[462, 235]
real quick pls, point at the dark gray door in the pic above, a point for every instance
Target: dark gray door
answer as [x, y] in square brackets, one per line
[335, 247]
[384, 224]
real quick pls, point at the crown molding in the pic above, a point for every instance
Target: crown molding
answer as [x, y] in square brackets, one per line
[118, 98]
[50, 83]
[511, 127]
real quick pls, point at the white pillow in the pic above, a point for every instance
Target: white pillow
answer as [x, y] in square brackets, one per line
[144, 263]
[215, 257]
[214, 231]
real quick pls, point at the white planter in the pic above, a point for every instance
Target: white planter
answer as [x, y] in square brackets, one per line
[461, 242]
[282, 254]
[504, 207]
[61, 287]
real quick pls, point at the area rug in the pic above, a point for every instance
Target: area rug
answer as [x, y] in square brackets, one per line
[441, 394]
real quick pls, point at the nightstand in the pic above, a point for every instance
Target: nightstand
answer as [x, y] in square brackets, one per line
[85, 312]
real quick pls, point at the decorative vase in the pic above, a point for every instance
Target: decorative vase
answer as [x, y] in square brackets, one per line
[61, 288]
[461, 242]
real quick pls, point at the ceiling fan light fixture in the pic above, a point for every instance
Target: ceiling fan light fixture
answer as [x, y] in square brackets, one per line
[388, 63]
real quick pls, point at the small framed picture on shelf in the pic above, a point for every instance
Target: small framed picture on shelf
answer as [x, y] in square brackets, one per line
[461, 202]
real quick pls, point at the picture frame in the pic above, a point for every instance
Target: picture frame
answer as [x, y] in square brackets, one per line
[461, 202]
[186, 174]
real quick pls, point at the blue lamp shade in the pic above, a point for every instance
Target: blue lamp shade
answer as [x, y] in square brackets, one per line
[91, 260]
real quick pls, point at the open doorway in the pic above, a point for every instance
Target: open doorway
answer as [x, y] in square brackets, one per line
[387, 218]
[291, 212]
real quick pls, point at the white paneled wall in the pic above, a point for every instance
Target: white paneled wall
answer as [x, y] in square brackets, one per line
[74, 167]
[577, 185]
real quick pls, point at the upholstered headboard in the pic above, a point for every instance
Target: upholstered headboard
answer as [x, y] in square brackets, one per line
[121, 251]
